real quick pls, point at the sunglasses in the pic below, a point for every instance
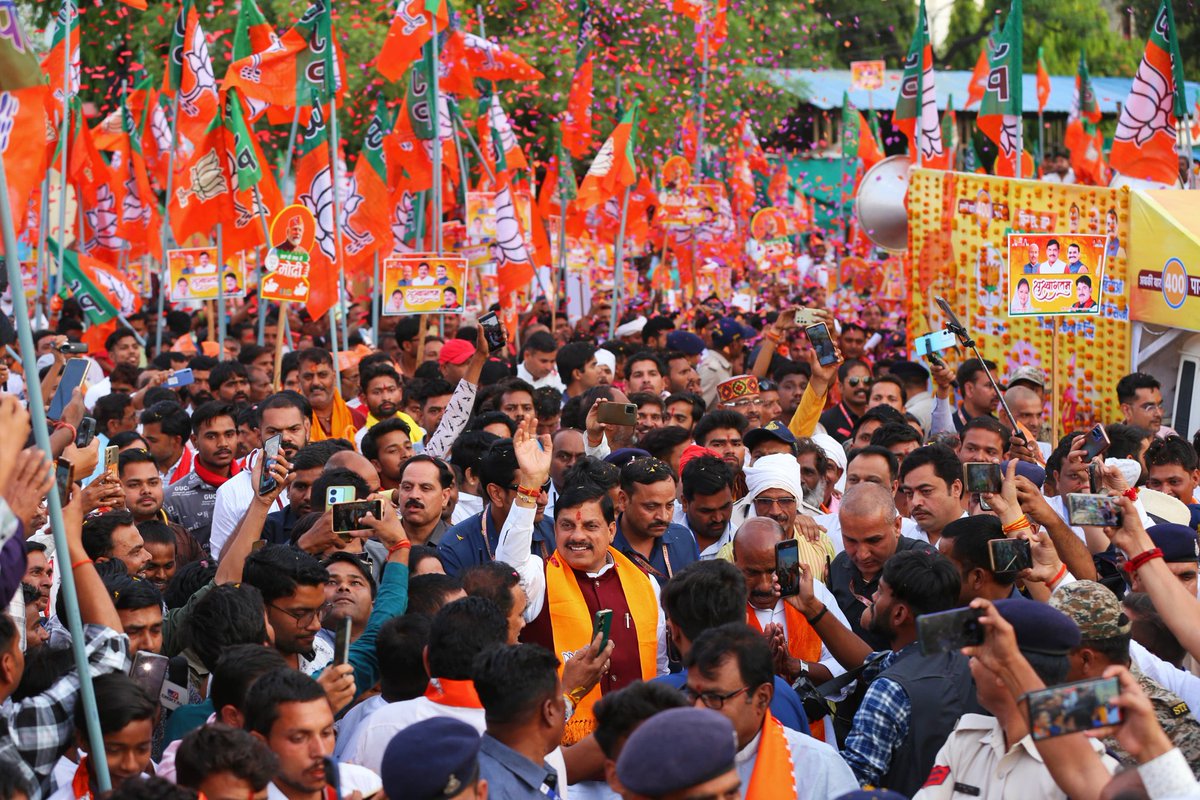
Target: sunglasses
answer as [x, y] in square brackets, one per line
[857, 381]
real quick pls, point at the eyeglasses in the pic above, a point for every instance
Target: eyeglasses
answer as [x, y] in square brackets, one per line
[713, 700]
[856, 381]
[303, 618]
[769, 502]
[746, 401]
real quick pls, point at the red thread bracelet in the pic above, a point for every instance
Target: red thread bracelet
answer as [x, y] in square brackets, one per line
[1131, 493]
[1139, 561]
[400, 545]
[1057, 577]
[80, 563]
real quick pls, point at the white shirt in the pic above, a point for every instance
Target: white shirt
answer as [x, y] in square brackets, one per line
[820, 773]
[95, 392]
[468, 505]
[516, 541]
[778, 616]
[350, 727]
[833, 529]
[380, 727]
[233, 498]
[549, 379]
[351, 778]
[1170, 677]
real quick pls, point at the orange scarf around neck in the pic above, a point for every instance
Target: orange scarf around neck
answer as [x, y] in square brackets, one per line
[571, 627]
[341, 424]
[803, 643]
[460, 694]
[774, 774]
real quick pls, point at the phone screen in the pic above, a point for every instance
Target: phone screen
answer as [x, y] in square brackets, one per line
[822, 343]
[1074, 707]
[1010, 555]
[348, 516]
[983, 477]
[72, 378]
[270, 452]
[64, 477]
[1093, 509]
[949, 630]
[149, 670]
[787, 567]
[493, 332]
[341, 646]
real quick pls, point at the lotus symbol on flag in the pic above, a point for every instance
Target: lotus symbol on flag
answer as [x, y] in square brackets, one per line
[9, 107]
[508, 230]
[133, 209]
[102, 219]
[319, 200]
[1008, 135]
[603, 162]
[400, 222]
[201, 65]
[252, 72]
[160, 129]
[358, 240]
[1147, 109]
[208, 181]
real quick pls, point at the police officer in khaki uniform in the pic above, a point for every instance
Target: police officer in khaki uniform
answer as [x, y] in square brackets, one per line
[1105, 642]
[994, 758]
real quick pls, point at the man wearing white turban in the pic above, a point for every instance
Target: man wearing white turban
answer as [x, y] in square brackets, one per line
[606, 360]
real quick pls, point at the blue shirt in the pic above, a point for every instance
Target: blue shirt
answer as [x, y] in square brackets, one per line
[785, 704]
[671, 552]
[511, 775]
[463, 545]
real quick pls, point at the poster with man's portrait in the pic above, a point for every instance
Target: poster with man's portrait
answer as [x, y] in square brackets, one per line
[1055, 273]
[424, 284]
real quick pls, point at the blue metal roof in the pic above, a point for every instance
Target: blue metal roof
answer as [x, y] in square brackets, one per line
[824, 89]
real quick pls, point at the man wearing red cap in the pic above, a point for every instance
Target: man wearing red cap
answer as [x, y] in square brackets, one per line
[453, 359]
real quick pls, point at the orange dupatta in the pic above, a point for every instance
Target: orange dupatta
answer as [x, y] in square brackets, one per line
[774, 771]
[341, 423]
[571, 627]
[803, 643]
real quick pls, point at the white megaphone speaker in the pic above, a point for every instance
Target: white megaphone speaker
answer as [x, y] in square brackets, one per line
[879, 205]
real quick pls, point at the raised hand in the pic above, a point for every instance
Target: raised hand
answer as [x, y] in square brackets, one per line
[533, 454]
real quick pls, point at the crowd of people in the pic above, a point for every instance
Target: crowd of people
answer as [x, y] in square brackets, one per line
[574, 582]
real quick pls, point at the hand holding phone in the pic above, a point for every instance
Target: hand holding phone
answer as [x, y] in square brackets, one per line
[611, 413]
[1074, 707]
[493, 332]
[787, 567]
[270, 451]
[1095, 442]
[602, 625]
[983, 477]
[85, 433]
[1010, 555]
[347, 517]
[822, 344]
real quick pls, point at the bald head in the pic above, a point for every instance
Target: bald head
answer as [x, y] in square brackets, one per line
[1020, 394]
[1026, 406]
[356, 463]
[756, 535]
[868, 500]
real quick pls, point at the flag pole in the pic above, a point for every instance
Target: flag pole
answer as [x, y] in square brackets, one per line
[64, 135]
[41, 433]
[376, 302]
[435, 114]
[619, 266]
[164, 275]
[335, 165]
[220, 292]
[1187, 141]
[1018, 40]
[43, 293]
[462, 126]
[262, 304]
[287, 159]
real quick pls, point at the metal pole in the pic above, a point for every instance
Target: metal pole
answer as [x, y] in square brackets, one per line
[335, 166]
[1041, 142]
[262, 304]
[619, 266]
[376, 302]
[41, 433]
[700, 99]
[164, 274]
[220, 293]
[462, 126]
[1187, 140]
[64, 135]
[43, 270]
[436, 114]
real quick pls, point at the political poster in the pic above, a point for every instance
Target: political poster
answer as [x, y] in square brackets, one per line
[422, 283]
[1051, 274]
[196, 275]
[293, 232]
[867, 76]
[481, 217]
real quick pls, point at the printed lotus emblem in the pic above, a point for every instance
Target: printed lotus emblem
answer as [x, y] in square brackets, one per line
[1147, 109]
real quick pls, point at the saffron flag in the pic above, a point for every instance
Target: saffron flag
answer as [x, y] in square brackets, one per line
[1144, 142]
[255, 196]
[139, 221]
[976, 86]
[1000, 111]
[314, 190]
[485, 60]
[366, 216]
[577, 131]
[916, 105]
[613, 168]
[63, 69]
[514, 267]
[22, 116]
[411, 28]
[1043, 83]
[101, 291]
[189, 76]
[1083, 138]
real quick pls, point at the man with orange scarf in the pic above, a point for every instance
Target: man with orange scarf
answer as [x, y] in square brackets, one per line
[730, 670]
[585, 575]
[796, 647]
[332, 418]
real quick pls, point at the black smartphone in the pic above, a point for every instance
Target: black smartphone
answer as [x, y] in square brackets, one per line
[1094, 509]
[1073, 707]
[72, 378]
[85, 432]
[611, 413]
[982, 477]
[333, 776]
[822, 343]
[149, 670]
[348, 516]
[1095, 479]
[949, 630]
[73, 348]
[341, 643]
[270, 451]
[602, 626]
[787, 567]
[64, 479]
[493, 331]
[1095, 442]
[1010, 555]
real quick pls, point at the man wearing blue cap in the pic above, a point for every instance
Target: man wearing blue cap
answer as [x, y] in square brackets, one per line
[994, 756]
[1180, 550]
[448, 766]
[716, 366]
[679, 753]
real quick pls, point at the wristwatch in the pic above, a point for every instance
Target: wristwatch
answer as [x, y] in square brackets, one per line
[803, 668]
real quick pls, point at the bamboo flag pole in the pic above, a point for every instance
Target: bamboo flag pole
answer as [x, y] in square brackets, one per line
[41, 434]
[164, 275]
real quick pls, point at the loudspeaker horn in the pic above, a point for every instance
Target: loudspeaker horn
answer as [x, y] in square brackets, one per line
[880, 206]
